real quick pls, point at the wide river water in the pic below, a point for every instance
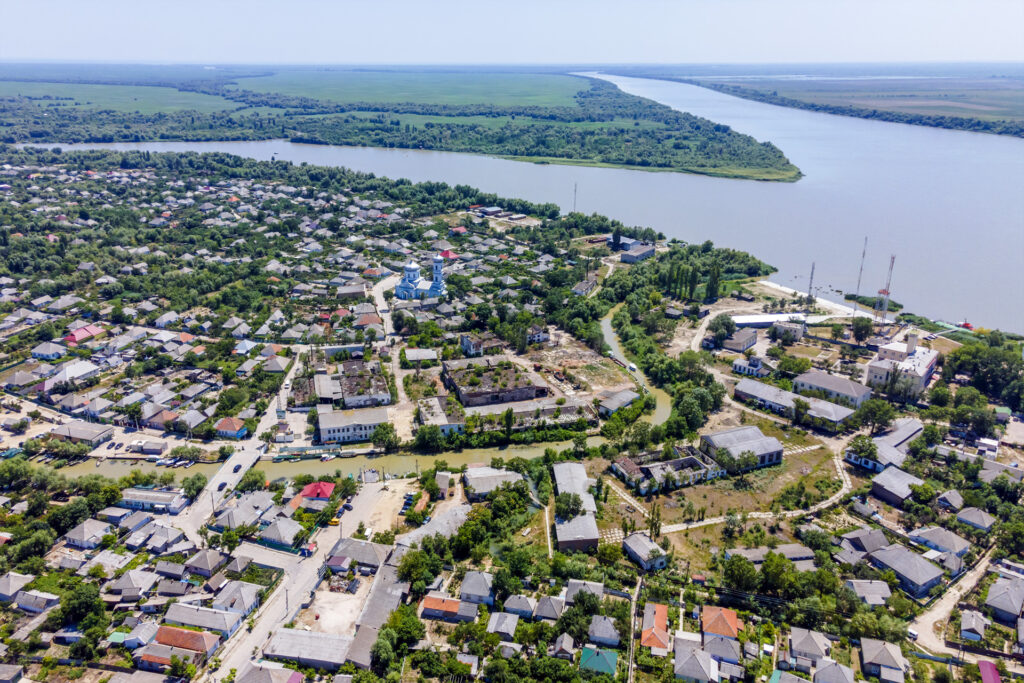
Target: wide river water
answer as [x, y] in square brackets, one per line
[948, 204]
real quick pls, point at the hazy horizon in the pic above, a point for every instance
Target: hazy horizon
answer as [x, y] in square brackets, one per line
[533, 32]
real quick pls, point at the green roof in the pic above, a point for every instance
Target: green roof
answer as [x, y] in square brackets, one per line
[601, 661]
[116, 637]
[1003, 410]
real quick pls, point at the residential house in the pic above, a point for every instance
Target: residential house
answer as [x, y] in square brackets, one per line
[206, 562]
[810, 645]
[443, 607]
[654, 631]
[883, 660]
[872, 593]
[231, 428]
[1006, 599]
[916, 574]
[193, 616]
[602, 631]
[641, 549]
[943, 540]
[549, 608]
[87, 535]
[892, 485]
[11, 583]
[972, 625]
[364, 556]
[477, 588]
[35, 601]
[740, 442]
[692, 664]
[599, 660]
[720, 621]
[563, 648]
[238, 596]
[575, 586]
[504, 624]
[203, 643]
[974, 517]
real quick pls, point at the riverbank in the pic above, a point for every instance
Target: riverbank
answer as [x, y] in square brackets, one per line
[967, 124]
[760, 174]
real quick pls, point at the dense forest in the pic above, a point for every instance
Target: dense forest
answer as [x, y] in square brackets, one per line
[607, 126]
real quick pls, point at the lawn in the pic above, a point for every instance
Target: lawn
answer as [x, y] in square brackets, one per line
[144, 99]
[501, 89]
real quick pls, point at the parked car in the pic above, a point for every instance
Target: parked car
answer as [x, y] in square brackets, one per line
[221, 486]
[236, 468]
[347, 506]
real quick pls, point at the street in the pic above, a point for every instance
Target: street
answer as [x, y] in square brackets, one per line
[301, 575]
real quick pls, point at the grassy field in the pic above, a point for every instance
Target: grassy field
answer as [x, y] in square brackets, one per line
[502, 89]
[143, 99]
[988, 98]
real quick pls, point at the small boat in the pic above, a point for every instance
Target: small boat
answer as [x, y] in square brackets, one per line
[326, 457]
[189, 464]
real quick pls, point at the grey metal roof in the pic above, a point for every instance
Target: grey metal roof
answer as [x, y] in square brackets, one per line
[477, 583]
[837, 384]
[603, 628]
[907, 564]
[1006, 595]
[579, 528]
[308, 646]
[896, 481]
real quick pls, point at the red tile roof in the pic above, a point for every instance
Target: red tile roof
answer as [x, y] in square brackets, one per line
[230, 424]
[318, 489]
[720, 621]
[197, 641]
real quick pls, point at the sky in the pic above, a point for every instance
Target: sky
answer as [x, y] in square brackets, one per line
[511, 32]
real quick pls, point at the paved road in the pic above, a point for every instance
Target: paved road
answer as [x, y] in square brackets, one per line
[936, 616]
[296, 586]
[198, 513]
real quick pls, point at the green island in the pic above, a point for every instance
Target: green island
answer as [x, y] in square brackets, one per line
[541, 117]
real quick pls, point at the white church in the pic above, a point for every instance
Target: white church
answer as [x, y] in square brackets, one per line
[413, 286]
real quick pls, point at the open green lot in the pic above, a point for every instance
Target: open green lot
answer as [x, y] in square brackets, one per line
[503, 89]
[140, 98]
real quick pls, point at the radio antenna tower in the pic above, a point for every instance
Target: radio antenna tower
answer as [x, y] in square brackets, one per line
[883, 294]
[861, 273]
[810, 287]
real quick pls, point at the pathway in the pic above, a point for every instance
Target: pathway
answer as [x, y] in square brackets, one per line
[784, 514]
[632, 627]
[621, 493]
[547, 530]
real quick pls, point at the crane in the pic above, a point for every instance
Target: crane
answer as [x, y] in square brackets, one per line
[882, 303]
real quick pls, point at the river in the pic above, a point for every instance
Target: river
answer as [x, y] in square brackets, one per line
[948, 204]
